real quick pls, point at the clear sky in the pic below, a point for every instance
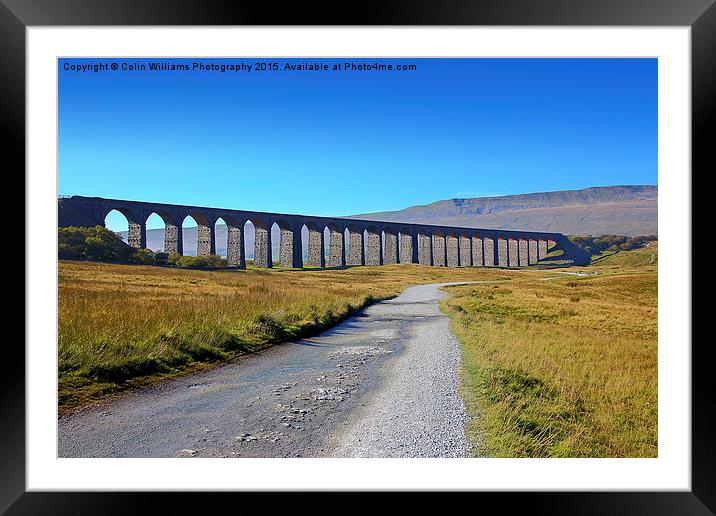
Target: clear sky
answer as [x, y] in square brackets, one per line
[348, 142]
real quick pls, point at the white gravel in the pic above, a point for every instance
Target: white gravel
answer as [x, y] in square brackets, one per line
[417, 411]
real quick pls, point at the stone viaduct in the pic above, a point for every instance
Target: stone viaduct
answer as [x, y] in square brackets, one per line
[367, 242]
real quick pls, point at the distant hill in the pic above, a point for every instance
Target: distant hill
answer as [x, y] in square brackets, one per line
[621, 210]
[618, 210]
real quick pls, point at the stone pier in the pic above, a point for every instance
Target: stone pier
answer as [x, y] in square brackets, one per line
[523, 253]
[390, 255]
[465, 251]
[262, 247]
[373, 248]
[477, 254]
[290, 254]
[235, 256]
[513, 253]
[137, 234]
[533, 251]
[425, 249]
[173, 242]
[452, 250]
[336, 252]
[490, 252]
[316, 256]
[502, 253]
[408, 247]
[205, 244]
[439, 254]
[355, 247]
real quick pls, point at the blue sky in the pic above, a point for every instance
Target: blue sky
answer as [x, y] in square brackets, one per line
[348, 142]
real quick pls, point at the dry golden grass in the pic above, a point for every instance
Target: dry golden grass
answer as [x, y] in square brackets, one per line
[565, 367]
[562, 368]
[119, 324]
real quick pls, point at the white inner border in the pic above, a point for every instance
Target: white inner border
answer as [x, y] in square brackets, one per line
[670, 471]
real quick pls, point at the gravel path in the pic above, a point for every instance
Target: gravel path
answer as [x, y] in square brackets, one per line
[381, 384]
[416, 411]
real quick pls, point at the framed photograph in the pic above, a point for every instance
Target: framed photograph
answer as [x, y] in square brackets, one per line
[420, 247]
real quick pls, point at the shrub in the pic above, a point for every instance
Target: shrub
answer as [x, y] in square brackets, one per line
[211, 261]
[613, 243]
[161, 258]
[101, 244]
[143, 256]
[173, 258]
[94, 243]
[69, 252]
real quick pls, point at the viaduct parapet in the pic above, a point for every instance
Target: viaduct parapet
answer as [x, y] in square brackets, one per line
[349, 241]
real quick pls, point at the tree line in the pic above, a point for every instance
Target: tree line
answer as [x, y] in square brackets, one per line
[100, 244]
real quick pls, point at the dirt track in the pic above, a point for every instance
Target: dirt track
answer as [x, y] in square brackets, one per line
[383, 383]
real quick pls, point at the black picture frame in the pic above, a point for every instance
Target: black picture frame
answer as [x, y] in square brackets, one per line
[700, 15]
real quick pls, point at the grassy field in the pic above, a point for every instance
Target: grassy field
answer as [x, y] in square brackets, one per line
[564, 367]
[124, 325]
[558, 367]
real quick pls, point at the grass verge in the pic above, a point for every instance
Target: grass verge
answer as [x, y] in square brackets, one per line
[565, 367]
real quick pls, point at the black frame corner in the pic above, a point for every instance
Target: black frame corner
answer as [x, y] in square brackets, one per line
[700, 15]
